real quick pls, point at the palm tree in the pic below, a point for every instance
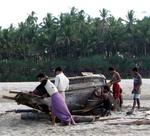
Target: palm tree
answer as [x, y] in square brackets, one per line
[103, 28]
[130, 33]
[130, 20]
[143, 35]
[104, 14]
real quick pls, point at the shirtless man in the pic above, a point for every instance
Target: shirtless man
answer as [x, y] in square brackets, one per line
[114, 82]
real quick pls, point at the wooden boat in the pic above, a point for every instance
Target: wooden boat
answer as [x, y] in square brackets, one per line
[78, 97]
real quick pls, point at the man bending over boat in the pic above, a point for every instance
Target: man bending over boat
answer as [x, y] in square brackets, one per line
[99, 102]
[59, 107]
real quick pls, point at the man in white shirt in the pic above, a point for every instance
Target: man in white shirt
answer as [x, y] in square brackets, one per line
[61, 81]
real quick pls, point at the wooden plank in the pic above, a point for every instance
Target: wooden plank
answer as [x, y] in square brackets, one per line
[22, 111]
[8, 97]
[77, 97]
[137, 122]
[15, 92]
[39, 116]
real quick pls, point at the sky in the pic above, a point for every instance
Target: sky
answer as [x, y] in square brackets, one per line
[15, 11]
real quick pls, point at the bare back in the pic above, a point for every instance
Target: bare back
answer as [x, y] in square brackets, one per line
[116, 77]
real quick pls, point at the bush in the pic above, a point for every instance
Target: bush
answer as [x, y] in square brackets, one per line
[18, 70]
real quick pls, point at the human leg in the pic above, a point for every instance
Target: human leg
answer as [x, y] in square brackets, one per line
[53, 118]
[134, 104]
[121, 100]
[138, 103]
[60, 109]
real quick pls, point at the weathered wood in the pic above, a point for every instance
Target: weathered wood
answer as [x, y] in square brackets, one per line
[86, 109]
[15, 92]
[137, 122]
[84, 79]
[108, 119]
[22, 111]
[77, 97]
[80, 119]
[8, 97]
[39, 116]
[33, 101]
[34, 116]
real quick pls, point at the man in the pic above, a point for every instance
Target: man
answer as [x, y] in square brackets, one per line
[61, 81]
[58, 107]
[137, 82]
[100, 103]
[106, 100]
[116, 87]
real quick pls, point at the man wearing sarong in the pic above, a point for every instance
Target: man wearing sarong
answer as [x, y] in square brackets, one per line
[61, 81]
[136, 87]
[115, 86]
[59, 107]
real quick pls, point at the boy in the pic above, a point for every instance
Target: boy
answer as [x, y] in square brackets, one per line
[137, 82]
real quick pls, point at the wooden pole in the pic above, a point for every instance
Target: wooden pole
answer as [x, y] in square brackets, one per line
[8, 97]
[15, 92]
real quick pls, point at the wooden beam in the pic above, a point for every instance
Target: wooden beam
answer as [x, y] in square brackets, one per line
[8, 97]
[15, 92]
[137, 122]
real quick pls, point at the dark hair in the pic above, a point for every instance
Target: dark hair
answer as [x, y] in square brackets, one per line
[135, 69]
[41, 75]
[59, 69]
[111, 69]
[106, 87]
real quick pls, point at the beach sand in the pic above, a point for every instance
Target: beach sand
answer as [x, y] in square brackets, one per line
[12, 125]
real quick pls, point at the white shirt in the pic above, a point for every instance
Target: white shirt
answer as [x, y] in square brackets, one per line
[50, 87]
[62, 82]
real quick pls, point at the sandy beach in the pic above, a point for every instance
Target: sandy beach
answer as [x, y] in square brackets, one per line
[12, 125]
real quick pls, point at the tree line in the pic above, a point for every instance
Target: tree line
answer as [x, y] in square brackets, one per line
[75, 41]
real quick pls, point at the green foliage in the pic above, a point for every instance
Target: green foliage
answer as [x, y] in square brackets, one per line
[94, 63]
[75, 41]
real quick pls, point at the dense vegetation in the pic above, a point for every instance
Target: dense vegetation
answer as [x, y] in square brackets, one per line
[75, 41]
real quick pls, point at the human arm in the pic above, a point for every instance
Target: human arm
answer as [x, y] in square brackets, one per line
[67, 87]
[57, 80]
[40, 90]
